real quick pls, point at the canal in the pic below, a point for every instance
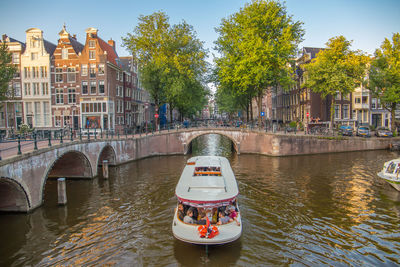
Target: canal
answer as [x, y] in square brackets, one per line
[304, 210]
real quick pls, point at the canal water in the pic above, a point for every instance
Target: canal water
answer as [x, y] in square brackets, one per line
[305, 210]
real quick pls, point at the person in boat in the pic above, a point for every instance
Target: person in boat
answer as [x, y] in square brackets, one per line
[201, 219]
[189, 217]
[223, 219]
[181, 212]
[233, 214]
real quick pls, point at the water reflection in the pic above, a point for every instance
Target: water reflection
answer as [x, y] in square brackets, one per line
[307, 210]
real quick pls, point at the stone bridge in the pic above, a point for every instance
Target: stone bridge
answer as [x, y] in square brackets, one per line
[23, 178]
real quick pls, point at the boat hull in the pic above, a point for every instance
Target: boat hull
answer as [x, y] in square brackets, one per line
[188, 233]
[393, 181]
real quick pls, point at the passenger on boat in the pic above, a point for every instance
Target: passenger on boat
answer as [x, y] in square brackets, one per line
[181, 212]
[188, 218]
[223, 218]
[201, 219]
[233, 214]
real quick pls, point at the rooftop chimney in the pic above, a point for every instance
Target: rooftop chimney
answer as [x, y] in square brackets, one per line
[112, 43]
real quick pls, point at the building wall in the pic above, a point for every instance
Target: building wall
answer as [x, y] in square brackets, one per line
[36, 94]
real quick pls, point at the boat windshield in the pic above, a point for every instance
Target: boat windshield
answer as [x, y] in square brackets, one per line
[207, 171]
[391, 167]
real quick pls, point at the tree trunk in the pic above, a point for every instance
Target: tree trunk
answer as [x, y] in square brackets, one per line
[170, 113]
[332, 113]
[247, 113]
[393, 120]
[259, 105]
[251, 111]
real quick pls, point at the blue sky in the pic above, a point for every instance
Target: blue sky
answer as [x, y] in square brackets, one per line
[366, 22]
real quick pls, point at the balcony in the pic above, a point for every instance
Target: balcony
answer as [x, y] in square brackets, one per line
[361, 106]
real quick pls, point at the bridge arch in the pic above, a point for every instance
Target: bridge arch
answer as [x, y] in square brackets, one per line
[13, 196]
[70, 164]
[107, 153]
[236, 144]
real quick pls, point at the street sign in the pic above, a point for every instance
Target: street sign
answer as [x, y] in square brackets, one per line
[156, 116]
[262, 114]
[308, 114]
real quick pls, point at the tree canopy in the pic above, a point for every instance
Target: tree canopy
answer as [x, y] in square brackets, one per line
[256, 45]
[384, 75]
[336, 69]
[172, 62]
[7, 71]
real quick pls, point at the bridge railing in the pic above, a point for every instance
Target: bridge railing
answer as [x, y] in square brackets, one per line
[41, 139]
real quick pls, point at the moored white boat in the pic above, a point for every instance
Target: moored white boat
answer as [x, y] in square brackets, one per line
[391, 173]
[207, 184]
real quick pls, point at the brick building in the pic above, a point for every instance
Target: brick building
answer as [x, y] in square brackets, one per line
[66, 82]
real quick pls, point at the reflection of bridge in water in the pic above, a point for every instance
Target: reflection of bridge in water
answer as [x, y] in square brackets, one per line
[23, 177]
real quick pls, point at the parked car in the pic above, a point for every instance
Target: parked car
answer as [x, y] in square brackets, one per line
[363, 131]
[346, 130]
[383, 132]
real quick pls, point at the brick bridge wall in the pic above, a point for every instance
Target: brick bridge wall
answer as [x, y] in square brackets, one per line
[23, 178]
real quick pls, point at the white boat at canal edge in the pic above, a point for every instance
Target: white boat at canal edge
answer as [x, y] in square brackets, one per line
[390, 173]
[207, 182]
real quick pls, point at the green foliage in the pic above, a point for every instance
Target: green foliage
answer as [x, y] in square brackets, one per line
[336, 69]
[293, 124]
[384, 75]
[24, 129]
[172, 62]
[7, 71]
[256, 44]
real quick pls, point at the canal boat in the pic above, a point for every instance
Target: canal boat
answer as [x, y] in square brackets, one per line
[207, 186]
[390, 173]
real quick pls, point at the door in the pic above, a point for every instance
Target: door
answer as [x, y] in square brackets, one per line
[76, 122]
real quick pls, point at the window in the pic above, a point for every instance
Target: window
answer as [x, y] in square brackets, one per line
[59, 96]
[35, 72]
[358, 100]
[17, 89]
[84, 88]
[34, 56]
[101, 87]
[346, 110]
[17, 74]
[92, 70]
[46, 113]
[64, 53]
[38, 120]
[57, 121]
[43, 71]
[101, 69]
[71, 77]
[373, 103]
[28, 108]
[92, 87]
[337, 96]
[92, 54]
[337, 111]
[104, 107]
[71, 96]
[84, 70]
[59, 75]
[34, 43]
[92, 43]
[27, 88]
[15, 58]
[36, 89]
[365, 99]
[45, 89]
[346, 97]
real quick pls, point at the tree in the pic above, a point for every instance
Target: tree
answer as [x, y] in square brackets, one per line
[384, 75]
[172, 61]
[7, 71]
[148, 46]
[336, 69]
[256, 45]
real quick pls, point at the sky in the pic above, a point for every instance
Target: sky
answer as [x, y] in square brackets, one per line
[366, 22]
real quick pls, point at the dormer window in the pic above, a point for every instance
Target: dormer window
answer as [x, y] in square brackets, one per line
[64, 53]
[34, 56]
[92, 44]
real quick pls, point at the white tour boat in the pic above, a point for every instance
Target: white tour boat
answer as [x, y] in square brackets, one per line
[208, 187]
[390, 173]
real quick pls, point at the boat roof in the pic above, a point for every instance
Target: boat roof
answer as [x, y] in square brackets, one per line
[207, 179]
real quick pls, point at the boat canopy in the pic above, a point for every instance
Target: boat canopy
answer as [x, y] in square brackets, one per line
[207, 181]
